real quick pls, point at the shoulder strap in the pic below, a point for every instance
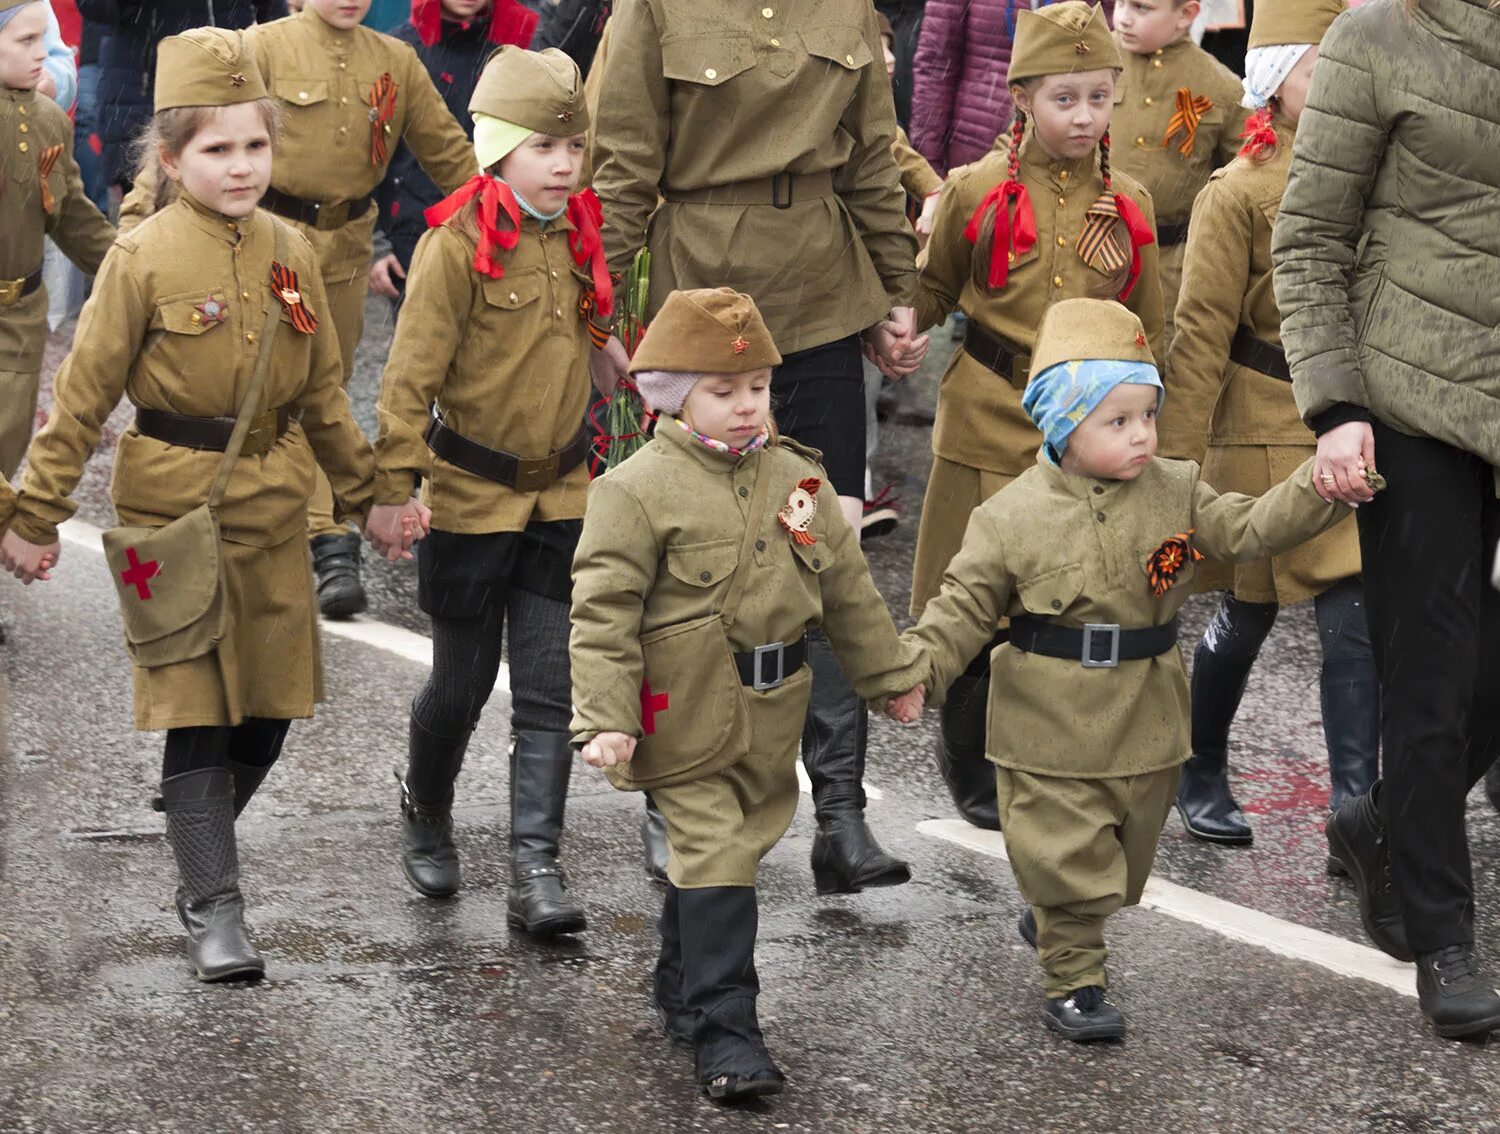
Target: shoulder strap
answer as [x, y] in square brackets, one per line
[753, 521]
[251, 404]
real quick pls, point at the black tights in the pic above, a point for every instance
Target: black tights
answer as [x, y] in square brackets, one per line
[255, 741]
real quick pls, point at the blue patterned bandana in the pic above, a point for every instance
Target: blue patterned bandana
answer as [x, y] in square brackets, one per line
[1063, 395]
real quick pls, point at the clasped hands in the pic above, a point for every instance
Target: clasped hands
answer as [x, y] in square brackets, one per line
[393, 529]
[29, 561]
[894, 345]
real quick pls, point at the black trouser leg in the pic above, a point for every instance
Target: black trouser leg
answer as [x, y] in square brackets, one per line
[666, 981]
[1221, 669]
[1427, 542]
[963, 720]
[1350, 692]
[254, 746]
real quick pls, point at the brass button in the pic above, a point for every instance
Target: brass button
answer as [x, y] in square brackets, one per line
[231, 226]
[817, 563]
[1057, 604]
[21, 110]
[1148, 100]
[342, 66]
[302, 95]
[558, 312]
[849, 59]
[1098, 491]
[1010, 257]
[1063, 176]
[343, 102]
[1099, 516]
[744, 492]
[1156, 62]
[760, 545]
[514, 297]
[767, 12]
[710, 73]
[25, 129]
[249, 336]
[776, 43]
[195, 318]
[1057, 281]
[1062, 241]
[1140, 141]
[706, 576]
[244, 295]
[1062, 200]
[23, 147]
[343, 129]
[554, 275]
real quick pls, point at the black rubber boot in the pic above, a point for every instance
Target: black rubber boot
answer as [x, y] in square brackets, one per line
[719, 985]
[341, 594]
[962, 720]
[1454, 994]
[666, 982]
[199, 809]
[540, 765]
[1492, 785]
[247, 780]
[845, 856]
[654, 842]
[1356, 836]
[1351, 730]
[429, 858]
[1208, 808]
[1084, 1016]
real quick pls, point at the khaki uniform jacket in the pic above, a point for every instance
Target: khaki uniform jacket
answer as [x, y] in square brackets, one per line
[918, 177]
[660, 542]
[143, 335]
[505, 361]
[1073, 548]
[980, 422]
[702, 96]
[1146, 99]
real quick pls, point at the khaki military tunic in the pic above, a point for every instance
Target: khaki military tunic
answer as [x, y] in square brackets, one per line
[1088, 759]
[1145, 100]
[661, 538]
[149, 333]
[505, 360]
[698, 98]
[1245, 422]
[918, 177]
[982, 439]
[30, 128]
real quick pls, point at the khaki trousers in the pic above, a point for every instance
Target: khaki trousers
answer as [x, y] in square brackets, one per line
[1081, 849]
[23, 338]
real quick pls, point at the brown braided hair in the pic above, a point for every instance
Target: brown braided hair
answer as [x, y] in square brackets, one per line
[1104, 160]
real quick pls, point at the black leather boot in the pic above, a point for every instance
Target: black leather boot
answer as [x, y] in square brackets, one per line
[1492, 785]
[247, 780]
[1208, 808]
[1084, 1016]
[654, 841]
[199, 809]
[1351, 730]
[845, 856]
[540, 765]
[719, 986]
[336, 565]
[962, 720]
[1454, 994]
[666, 981]
[1356, 835]
[429, 858]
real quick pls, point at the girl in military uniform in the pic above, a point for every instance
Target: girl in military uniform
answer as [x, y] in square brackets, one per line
[705, 560]
[1039, 220]
[1090, 554]
[1232, 396]
[484, 398]
[207, 304]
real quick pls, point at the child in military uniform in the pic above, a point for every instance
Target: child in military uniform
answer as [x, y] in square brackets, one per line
[1090, 553]
[207, 305]
[1176, 115]
[494, 335]
[1039, 220]
[705, 559]
[1232, 398]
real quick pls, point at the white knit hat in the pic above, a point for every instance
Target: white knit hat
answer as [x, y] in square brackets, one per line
[665, 390]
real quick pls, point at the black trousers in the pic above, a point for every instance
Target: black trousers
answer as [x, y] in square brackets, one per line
[1428, 544]
[818, 397]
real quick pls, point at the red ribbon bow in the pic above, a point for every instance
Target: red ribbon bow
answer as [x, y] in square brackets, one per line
[382, 103]
[1259, 135]
[494, 195]
[587, 246]
[1013, 237]
[1141, 233]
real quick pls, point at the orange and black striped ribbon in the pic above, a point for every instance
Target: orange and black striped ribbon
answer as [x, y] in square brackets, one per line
[1099, 244]
[284, 284]
[1170, 559]
[382, 103]
[45, 161]
[1190, 111]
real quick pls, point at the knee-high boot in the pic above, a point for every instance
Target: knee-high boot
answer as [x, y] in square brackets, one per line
[962, 720]
[540, 765]
[199, 809]
[718, 925]
[666, 981]
[1351, 729]
[845, 856]
[429, 857]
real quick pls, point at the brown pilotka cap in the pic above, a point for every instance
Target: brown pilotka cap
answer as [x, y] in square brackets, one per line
[1278, 22]
[1061, 39]
[206, 67]
[7, 5]
[1079, 330]
[540, 90]
[707, 331]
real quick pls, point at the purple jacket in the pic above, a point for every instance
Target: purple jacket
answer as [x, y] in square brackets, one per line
[960, 101]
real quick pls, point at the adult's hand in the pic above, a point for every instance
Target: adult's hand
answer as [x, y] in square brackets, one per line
[607, 365]
[383, 275]
[1344, 456]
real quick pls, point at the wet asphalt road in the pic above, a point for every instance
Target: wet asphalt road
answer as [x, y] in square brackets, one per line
[906, 1010]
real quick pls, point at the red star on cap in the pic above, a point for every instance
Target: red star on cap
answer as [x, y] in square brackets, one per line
[740, 344]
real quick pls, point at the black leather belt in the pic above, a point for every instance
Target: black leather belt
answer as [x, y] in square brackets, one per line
[1007, 359]
[1169, 234]
[766, 667]
[1095, 645]
[13, 291]
[1257, 354]
[524, 474]
[779, 191]
[322, 215]
[213, 432]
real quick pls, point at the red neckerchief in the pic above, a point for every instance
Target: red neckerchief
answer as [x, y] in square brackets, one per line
[1141, 234]
[587, 246]
[494, 196]
[510, 22]
[1012, 237]
[1259, 135]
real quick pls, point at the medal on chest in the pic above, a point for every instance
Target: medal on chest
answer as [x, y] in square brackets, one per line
[382, 103]
[1168, 561]
[284, 284]
[210, 313]
[800, 508]
[45, 161]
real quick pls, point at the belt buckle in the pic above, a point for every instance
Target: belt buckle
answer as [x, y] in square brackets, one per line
[778, 180]
[1090, 629]
[758, 681]
[10, 292]
[533, 476]
[331, 216]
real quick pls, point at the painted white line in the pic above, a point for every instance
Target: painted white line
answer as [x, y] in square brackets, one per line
[1284, 938]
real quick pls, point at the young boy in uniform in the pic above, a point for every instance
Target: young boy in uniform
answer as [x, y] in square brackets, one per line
[1176, 118]
[1090, 553]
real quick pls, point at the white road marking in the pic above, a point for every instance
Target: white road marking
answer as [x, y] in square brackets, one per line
[1284, 938]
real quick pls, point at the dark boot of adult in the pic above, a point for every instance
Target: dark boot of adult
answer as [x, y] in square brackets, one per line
[429, 858]
[962, 721]
[654, 841]
[341, 593]
[1351, 729]
[845, 856]
[199, 810]
[540, 766]
[717, 927]
[1357, 837]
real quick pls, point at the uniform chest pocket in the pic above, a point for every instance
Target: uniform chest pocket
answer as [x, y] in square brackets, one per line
[301, 92]
[191, 314]
[816, 557]
[702, 564]
[845, 47]
[708, 60]
[513, 292]
[1051, 592]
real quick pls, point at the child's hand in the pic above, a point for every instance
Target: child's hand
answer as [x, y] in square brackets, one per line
[608, 749]
[383, 275]
[29, 561]
[392, 529]
[908, 707]
[929, 215]
[607, 365]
